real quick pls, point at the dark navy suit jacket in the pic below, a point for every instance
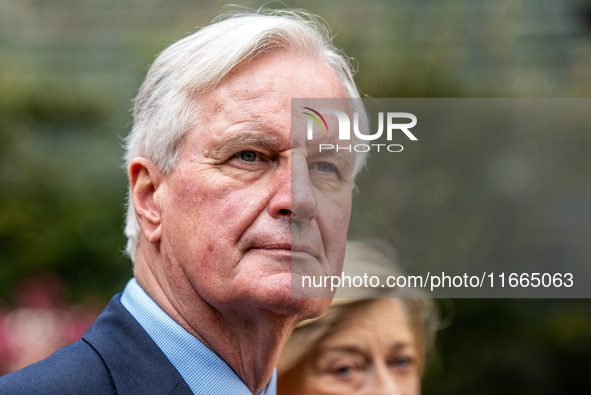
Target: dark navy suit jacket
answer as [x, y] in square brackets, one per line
[115, 356]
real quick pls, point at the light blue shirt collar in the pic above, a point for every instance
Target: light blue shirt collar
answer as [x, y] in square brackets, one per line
[203, 370]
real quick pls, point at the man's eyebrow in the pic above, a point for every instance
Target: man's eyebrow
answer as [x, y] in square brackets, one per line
[243, 141]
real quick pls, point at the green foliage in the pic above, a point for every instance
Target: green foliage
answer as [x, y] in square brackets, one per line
[59, 211]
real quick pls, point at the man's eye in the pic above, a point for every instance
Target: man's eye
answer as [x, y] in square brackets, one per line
[248, 156]
[325, 167]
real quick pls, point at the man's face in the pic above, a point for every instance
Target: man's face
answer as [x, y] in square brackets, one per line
[232, 225]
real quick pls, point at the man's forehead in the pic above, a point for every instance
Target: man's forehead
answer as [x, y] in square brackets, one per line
[259, 79]
[224, 112]
[251, 104]
[281, 73]
[257, 96]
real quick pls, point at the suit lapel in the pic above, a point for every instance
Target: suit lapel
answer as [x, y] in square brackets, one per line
[135, 363]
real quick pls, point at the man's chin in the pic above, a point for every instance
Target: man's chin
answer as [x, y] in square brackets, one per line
[306, 286]
[301, 308]
[279, 298]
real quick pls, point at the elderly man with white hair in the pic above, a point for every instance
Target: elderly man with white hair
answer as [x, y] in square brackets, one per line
[223, 200]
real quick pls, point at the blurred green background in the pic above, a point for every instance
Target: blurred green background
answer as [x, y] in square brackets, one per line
[70, 68]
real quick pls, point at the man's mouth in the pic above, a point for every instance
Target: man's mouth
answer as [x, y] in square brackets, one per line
[278, 246]
[294, 250]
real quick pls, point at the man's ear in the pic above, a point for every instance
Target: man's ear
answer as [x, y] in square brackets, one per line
[144, 181]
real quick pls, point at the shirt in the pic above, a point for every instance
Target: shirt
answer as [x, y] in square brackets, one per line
[203, 370]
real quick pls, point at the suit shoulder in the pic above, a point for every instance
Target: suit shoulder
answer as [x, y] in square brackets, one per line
[74, 369]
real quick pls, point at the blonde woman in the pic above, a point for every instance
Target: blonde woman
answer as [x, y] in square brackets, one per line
[374, 341]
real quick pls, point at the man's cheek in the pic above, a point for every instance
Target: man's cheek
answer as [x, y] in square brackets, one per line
[335, 226]
[337, 210]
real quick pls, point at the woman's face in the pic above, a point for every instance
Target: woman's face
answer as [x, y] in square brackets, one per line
[372, 352]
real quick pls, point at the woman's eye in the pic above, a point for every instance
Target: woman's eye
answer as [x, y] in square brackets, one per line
[402, 362]
[248, 156]
[343, 371]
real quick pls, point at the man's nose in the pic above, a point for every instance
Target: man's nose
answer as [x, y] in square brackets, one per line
[295, 196]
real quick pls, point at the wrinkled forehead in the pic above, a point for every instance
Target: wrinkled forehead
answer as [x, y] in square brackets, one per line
[263, 87]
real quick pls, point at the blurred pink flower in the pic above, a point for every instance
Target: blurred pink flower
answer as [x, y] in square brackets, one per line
[40, 324]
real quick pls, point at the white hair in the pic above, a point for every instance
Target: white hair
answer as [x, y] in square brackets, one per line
[168, 100]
